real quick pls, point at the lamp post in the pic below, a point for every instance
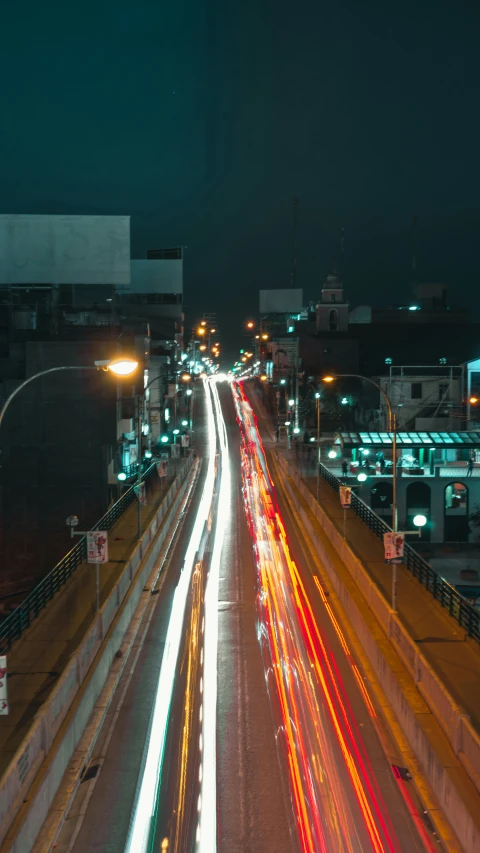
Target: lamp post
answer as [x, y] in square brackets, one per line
[120, 367]
[392, 427]
[317, 400]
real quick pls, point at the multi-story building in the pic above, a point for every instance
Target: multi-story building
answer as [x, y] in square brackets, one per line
[67, 298]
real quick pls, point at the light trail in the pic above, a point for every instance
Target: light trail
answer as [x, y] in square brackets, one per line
[335, 795]
[207, 828]
[143, 815]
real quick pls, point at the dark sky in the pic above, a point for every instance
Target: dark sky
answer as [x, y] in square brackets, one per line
[203, 119]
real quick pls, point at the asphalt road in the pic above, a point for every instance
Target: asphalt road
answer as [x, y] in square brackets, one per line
[253, 808]
[101, 812]
[257, 809]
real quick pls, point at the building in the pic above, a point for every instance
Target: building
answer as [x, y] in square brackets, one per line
[70, 295]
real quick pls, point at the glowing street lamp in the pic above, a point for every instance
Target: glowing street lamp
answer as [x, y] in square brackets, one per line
[186, 377]
[250, 324]
[263, 378]
[420, 520]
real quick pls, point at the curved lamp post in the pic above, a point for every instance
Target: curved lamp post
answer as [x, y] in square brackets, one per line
[392, 427]
[120, 367]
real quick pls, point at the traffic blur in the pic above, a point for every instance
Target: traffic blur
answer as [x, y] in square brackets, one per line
[335, 794]
[163, 802]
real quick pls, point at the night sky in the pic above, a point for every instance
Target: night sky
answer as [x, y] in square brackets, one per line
[203, 120]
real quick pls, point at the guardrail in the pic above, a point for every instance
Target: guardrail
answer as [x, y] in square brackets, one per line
[17, 622]
[458, 606]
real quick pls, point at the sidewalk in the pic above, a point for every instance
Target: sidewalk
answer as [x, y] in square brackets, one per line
[37, 659]
[452, 655]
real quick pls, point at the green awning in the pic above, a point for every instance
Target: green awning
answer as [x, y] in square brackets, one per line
[448, 440]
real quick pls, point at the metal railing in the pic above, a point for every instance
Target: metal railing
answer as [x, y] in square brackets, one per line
[458, 606]
[20, 619]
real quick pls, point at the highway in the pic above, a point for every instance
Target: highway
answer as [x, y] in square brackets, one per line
[243, 721]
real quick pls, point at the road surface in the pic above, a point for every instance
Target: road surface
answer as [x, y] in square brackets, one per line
[245, 723]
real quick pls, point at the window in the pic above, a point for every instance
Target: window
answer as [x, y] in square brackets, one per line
[332, 297]
[416, 391]
[332, 321]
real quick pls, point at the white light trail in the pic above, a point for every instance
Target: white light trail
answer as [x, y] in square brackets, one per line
[207, 837]
[149, 782]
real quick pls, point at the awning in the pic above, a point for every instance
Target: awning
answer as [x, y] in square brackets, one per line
[409, 439]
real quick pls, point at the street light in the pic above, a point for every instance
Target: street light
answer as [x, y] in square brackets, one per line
[361, 477]
[263, 378]
[186, 377]
[250, 324]
[120, 367]
[420, 520]
[392, 427]
[189, 392]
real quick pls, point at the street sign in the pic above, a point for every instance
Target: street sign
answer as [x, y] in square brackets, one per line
[162, 468]
[394, 544]
[97, 546]
[141, 493]
[345, 496]
[185, 440]
[3, 685]
[175, 451]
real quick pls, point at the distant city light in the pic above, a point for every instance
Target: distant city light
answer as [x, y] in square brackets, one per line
[296, 430]
[414, 308]
[291, 402]
[317, 395]
[164, 439]
[344, 401]
[184, 423]
[176, 431]
[332, 454]
[148, 454]
[122, 475]
[189, 392]
[283, 381]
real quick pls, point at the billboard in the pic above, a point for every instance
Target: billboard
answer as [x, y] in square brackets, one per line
[281, 301]
[151, 276]
[48, 249]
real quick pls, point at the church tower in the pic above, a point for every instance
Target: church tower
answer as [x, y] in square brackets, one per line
[332, 311]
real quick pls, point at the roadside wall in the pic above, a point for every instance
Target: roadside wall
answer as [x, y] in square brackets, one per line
[36, 745]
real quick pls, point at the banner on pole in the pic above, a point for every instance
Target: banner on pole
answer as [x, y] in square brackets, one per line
[175, 448]
[162, 468]
[97, 546]
[141, 493]
[345, 496]
[185, 440]
[394, 544]
[3, 685]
